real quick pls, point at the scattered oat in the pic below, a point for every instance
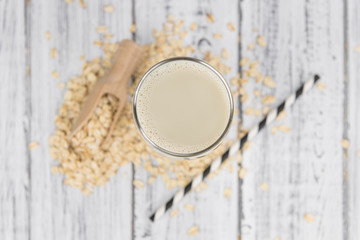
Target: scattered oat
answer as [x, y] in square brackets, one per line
[282, 115]
[238, 157]
[203, 185]
[48, 35]
[251, 46]
[358, 153]
[174, 213]
[55, 169]
[61, 85]
[171, 18]
[101, 29]
[242, 91]
[53, 53]
[82, 57]
[133, 28]
[183, 34]
[257, 93]
[259, 78]
[357, 48]
[261, 41]
[151, 180]
[217, 35]
[189, 206]
[193, 230]
[28, 70]
[210, 18]
[225, 53]
[239, 38]
[268, 100]
[86, 190]
[55, 74]
[284, 128]
[264, 186]
[244, 61]
[249, 110]
[266, 110]
[321, 86]
[83, 4]
[236, 111]
[138, 183]
[227, 192]
[345, 143]
[269, 82]
[231, 26]
[247, 145]
[245, 73]
[109, 8]
[69, 1]
[98, 43]
[234, 81]
[193, 26]
[242, 173]
[33, 145]
[244, 98]
[254, 64]
[179, 24]
[253, 72]
[309, 218]
[108, 35]
[274, 129]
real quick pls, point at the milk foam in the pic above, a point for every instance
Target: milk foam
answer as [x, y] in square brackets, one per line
[183, 106]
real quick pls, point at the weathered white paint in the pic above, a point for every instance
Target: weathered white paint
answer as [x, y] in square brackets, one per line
[303, 168]
[306, 169]
[14, 123]
[352, 119]
[48, 208]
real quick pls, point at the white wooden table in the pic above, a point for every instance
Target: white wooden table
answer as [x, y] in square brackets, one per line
[307, 170]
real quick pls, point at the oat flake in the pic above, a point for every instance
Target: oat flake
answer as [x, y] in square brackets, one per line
[109, 8]
[33, 145]
[193, 230]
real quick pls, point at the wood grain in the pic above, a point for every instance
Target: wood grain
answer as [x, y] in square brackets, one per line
[303, 168]
[307, 170]
[213, 223]
[14, 123]
[352, 118]
[58, 211]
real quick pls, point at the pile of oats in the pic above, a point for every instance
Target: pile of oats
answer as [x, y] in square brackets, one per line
[82, 160]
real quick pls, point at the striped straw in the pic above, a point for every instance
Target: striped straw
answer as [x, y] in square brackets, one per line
[238, 145]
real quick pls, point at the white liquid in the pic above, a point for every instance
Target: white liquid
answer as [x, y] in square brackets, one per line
[183, 106]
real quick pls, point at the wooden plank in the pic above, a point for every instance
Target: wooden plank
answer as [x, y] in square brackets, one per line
[303, 168]
[352, 118]
[14, 123]
[215, 215]
[61, 211]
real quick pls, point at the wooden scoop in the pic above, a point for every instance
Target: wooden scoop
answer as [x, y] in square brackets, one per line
[128, 57]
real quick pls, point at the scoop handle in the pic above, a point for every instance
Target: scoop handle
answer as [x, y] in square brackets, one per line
[128, 56]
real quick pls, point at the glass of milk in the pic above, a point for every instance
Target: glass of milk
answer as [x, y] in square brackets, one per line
[183, 107]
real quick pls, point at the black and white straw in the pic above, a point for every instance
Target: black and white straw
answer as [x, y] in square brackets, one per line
[238, 145]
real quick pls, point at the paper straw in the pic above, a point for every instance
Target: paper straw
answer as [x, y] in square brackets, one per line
[238, 145]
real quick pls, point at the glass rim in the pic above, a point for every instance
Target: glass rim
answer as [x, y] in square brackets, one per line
[166, 152]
